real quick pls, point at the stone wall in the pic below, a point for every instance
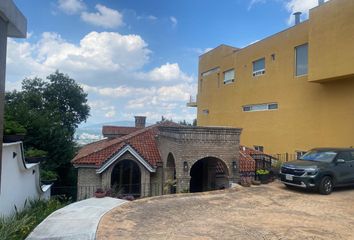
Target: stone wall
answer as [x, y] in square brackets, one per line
[87, 182]
[190, 144]
[157, 182]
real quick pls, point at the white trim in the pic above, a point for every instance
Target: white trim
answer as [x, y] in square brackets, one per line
[260, 110]
[127, 148]
[258, 73]
[210, 71]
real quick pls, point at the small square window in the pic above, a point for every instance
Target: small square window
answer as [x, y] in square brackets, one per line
[229, 76]
[259, 67]
[273, 106]
[247, 108]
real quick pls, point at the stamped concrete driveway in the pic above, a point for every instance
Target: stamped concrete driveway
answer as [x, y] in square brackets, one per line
[263, 212]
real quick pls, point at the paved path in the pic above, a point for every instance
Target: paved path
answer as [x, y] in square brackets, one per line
[77, 221]
[269, 212]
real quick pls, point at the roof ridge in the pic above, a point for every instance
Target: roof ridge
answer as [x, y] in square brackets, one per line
[120, 140]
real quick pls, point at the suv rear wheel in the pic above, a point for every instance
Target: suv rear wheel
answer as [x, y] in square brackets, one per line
[326, 185]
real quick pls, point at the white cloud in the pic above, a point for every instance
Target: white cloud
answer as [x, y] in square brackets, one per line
[254, 2]
[111, 113]
[173, 21]
[104, 17]
[107, 52]
[299, 6]
[291, 6]
[71, 6]
[152, 17]
[149, 17]
[110, 68]
[168, 72]
[88, 136]
[179, 92]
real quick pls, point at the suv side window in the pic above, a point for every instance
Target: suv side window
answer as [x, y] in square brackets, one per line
[352, 155]
[346, 156]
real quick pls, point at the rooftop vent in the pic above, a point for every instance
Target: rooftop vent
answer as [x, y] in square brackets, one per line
[297, 17]
[320, 2]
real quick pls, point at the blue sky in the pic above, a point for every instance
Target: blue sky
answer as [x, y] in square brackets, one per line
[138, 57]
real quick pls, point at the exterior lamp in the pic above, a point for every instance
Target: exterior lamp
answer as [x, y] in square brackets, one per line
[234, 165]
[185, 166]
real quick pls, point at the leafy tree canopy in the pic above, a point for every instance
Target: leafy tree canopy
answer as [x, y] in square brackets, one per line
[50, 110]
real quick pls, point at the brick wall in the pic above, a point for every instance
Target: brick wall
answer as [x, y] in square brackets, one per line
[190, 144]
[87, 182]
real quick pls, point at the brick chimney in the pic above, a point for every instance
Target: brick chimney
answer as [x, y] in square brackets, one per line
[140, 121]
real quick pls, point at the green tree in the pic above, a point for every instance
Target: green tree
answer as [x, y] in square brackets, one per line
[50, 111]
[195, 122]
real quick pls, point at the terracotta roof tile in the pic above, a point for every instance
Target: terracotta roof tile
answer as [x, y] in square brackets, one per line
[142, 140]
[247, 163]
[117, 130]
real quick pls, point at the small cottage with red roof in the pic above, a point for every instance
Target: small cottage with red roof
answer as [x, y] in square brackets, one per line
[162, 158]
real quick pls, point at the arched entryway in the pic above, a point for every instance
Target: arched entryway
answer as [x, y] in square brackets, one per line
[208, 174]
[170, 174]
[126, 178]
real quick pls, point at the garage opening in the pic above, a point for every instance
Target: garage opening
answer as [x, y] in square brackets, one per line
[126, 178]
[208, 174]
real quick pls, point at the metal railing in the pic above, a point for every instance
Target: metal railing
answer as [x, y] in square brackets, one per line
[285, 157]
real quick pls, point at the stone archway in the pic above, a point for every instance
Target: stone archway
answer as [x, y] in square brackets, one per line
[208, 174]
[170, 174]
[126, 178]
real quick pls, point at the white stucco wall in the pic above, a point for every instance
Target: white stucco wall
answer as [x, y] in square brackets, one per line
[19, 181]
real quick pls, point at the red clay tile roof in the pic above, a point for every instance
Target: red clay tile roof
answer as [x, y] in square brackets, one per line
[251, 151]
[143, 141]
[115, 130]
[247, 163]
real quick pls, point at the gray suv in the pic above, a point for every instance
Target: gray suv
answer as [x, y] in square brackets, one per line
[321, 169]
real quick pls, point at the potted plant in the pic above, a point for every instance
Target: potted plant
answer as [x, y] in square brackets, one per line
[48, 177]
[263, 175]
[33, 155]
[100, 193]
[13, 131]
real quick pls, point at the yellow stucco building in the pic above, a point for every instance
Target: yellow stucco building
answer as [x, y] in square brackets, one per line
[289, 92]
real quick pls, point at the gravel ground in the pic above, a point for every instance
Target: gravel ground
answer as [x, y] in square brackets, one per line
[260, 212]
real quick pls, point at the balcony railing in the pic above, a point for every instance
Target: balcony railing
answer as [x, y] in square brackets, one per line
[192, 102]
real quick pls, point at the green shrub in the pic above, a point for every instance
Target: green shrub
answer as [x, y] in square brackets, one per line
[262, 172]
[47, 175]
[13, 127]
[32, 152]
[21, 224]
[277, 163]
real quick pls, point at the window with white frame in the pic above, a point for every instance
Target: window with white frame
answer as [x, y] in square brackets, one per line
[301, 60]
[229, 76]
[260, 107]
[259, 67]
